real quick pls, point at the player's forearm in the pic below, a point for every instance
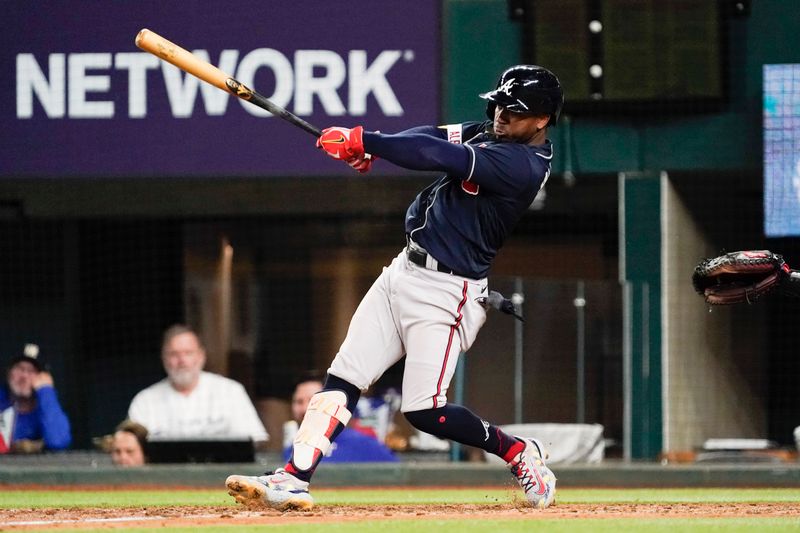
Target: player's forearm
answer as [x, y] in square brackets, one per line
[433, 131]
[417, 151]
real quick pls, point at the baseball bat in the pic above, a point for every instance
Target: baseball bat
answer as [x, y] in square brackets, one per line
[149, 41]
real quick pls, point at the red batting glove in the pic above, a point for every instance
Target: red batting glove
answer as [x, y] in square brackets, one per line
[342, 143]
[362, 163]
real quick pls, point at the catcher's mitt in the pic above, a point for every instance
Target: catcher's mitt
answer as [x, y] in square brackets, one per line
[739, 277]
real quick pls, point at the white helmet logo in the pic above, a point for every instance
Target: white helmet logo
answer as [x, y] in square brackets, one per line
[506, 87]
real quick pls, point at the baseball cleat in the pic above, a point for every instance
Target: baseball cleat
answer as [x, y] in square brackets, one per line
[537, 481]
[278, 490]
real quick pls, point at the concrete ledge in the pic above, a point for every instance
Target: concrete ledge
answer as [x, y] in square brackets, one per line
[415, 474]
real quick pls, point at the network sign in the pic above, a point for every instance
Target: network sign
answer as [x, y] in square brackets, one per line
[79, 99]
[781, 150]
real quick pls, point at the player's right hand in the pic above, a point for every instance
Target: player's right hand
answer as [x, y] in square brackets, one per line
[342, 143]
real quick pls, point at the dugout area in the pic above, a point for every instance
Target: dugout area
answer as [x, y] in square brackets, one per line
[108, 274]
[696, 373]
[716, 372]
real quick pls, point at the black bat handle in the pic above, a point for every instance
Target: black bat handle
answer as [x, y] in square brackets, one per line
[288, 116]
[246, 93]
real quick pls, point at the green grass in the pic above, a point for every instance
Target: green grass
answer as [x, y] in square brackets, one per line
[526, 522]
[10, 499]
[566, 496]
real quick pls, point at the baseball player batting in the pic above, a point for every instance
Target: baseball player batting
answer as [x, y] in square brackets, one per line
[428, 304]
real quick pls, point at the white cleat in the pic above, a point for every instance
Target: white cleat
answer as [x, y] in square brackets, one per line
[537, 481]
[277, 490]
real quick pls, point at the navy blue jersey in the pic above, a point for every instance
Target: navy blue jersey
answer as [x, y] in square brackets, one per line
[463, 218]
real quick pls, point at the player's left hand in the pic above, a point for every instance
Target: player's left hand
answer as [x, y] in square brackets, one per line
[342, 143]
[361, 163]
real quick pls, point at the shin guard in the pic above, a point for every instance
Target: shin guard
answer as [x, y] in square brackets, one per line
[326, 410]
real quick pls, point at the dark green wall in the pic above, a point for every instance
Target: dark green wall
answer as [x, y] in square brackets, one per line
[479, 41]
[640, 250]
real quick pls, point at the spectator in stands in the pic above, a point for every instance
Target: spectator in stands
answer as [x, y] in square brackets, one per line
[129, 444]
[353, 444]
[191, 403]
[31, 419]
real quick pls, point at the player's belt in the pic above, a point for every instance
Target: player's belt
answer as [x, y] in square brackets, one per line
[419, 256]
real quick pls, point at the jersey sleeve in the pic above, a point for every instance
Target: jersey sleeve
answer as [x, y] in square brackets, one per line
[433, 131]
[507, 168]
[419, 151]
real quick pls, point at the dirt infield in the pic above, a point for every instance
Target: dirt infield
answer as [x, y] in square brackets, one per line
[153, 517]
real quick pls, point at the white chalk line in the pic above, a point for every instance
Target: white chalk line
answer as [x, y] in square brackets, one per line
[99, 520]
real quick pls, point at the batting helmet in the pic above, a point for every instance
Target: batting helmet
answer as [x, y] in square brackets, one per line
[527, 89]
